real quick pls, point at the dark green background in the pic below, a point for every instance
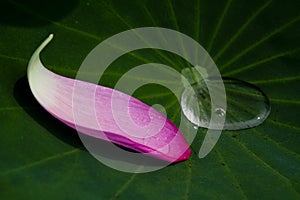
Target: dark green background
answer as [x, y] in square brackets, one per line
[255, 41]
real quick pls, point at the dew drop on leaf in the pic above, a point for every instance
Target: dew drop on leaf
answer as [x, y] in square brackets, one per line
[247, 105]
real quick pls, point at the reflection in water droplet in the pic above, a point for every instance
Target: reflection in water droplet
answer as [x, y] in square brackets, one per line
[247, 105]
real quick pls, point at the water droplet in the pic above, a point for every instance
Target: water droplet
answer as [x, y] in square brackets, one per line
[247, 105]
[195, 127]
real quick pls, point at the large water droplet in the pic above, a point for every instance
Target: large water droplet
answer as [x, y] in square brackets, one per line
[247, 105]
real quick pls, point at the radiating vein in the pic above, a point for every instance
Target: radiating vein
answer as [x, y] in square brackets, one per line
[277, 123]
[157, 95]
[22, 60]
[284, 101]
[175, 23]
[276, 80]
[25, 61]
[40, 162]
[197, 27]
[263, 163]
[117, 14]
[149, 14]
[197, 20]
[259, 62]
[241, 30]
[262, 40]
[173, 16]
[278, 145]
[230, 173]
[124, 186]
[188, 179]
[217, 28]
[9, 108]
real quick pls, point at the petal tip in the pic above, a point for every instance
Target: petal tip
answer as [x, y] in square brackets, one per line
[50, 37]
[184, 156]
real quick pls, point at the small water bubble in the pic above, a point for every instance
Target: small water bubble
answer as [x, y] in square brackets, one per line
[220, 112]
[195, 127]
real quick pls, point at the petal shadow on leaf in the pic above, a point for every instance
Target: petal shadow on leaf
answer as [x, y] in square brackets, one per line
[26, 100]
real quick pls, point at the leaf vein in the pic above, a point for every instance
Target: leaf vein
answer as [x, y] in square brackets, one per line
[263, 163]
[259, 62]
[40, 162]
[260, 41]
[241, 30]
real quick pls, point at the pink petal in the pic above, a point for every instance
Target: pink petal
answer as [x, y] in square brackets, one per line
[152, 133]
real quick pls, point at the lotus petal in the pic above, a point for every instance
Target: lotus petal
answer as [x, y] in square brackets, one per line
[153, 134]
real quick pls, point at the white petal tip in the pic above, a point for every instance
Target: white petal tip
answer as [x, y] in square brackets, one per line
[51, 36]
